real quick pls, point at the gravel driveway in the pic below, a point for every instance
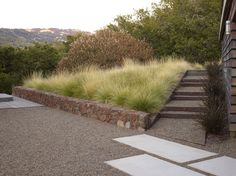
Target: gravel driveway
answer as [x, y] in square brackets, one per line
[44, 141]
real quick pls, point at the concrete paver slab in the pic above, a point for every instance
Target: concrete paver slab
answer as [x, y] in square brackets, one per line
[222, 166]
[18, 103]
[163, 148]
[5, 97]
[147, 165]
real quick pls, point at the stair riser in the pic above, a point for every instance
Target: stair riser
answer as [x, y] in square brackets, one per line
[194, 80]
[187, 98]
[180, 116]
[187, 109]
[185, 84]
[190, 93]
[196, 74]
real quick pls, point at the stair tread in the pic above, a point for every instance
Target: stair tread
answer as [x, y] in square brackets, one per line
[200, 96]
[186, 103]
[179, 112]
[190, 89]
[191, 82]
[201, 77]
[198, 71]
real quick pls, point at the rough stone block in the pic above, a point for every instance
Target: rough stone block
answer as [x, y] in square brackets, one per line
[127, 124]
[141, 129]
[116, 115]
[232, 134]
[232, 127]
[120, 123]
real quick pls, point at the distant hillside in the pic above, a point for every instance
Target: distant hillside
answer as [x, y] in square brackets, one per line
[24, 37]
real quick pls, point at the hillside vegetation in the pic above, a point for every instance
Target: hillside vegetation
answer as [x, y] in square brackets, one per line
[26, 37]
[135, 86]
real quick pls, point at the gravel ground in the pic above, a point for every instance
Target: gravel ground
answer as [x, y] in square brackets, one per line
[181, 129]
[45, 141]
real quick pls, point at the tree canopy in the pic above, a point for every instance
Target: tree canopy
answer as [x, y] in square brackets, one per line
[17, 63]
[104, 49]
[186, 28]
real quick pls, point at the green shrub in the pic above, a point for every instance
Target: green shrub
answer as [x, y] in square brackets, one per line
[17, 63]
[105, 49]
[214, 117]
[184, 28]
[143, 87]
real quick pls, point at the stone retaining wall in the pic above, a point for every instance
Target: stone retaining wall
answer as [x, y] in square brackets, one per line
[104, 112]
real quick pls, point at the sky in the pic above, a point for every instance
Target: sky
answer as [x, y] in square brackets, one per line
[86, 15]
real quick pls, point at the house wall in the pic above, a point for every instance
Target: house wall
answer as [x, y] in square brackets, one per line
[228, 55]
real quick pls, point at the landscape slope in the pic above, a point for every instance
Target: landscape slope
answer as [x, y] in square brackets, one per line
[25, 37]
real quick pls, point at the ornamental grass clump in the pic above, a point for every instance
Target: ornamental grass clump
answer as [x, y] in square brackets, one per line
[143, 87]
[214, 117]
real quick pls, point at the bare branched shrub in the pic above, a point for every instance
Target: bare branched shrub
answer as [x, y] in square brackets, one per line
[105, 49]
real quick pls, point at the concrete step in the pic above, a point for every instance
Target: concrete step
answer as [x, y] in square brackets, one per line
[5, 97]
[190, 91]
[191, 84]
[196, 72]
[187, 105]
[180, 114]
[187, 97]
[195, 79]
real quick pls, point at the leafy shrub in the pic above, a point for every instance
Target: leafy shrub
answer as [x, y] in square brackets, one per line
[17, 63]
[214, 117]
[184, 28]
[105, 49]
[143, 87]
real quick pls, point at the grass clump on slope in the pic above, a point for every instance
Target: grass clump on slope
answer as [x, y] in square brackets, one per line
[135, 86]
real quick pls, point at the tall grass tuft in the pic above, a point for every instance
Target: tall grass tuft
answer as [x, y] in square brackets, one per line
[214, 117]
[143, 87]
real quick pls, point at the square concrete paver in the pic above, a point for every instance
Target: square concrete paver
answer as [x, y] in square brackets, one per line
[146, 165]
[163, 148]
[222, 166]
[5, 97]
[18, 103]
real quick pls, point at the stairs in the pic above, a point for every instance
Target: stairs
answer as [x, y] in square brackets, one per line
[186, 100]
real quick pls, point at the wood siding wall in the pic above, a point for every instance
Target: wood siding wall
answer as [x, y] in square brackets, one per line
[229, 60]
[228, 47]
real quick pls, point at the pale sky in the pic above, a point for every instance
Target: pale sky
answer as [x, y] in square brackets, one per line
[86, 15]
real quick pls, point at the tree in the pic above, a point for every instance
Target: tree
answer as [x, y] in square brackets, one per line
[70, 39]
[186, 28]
[18, 63]
[10, 68]
[105, 49]
[40, 58]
